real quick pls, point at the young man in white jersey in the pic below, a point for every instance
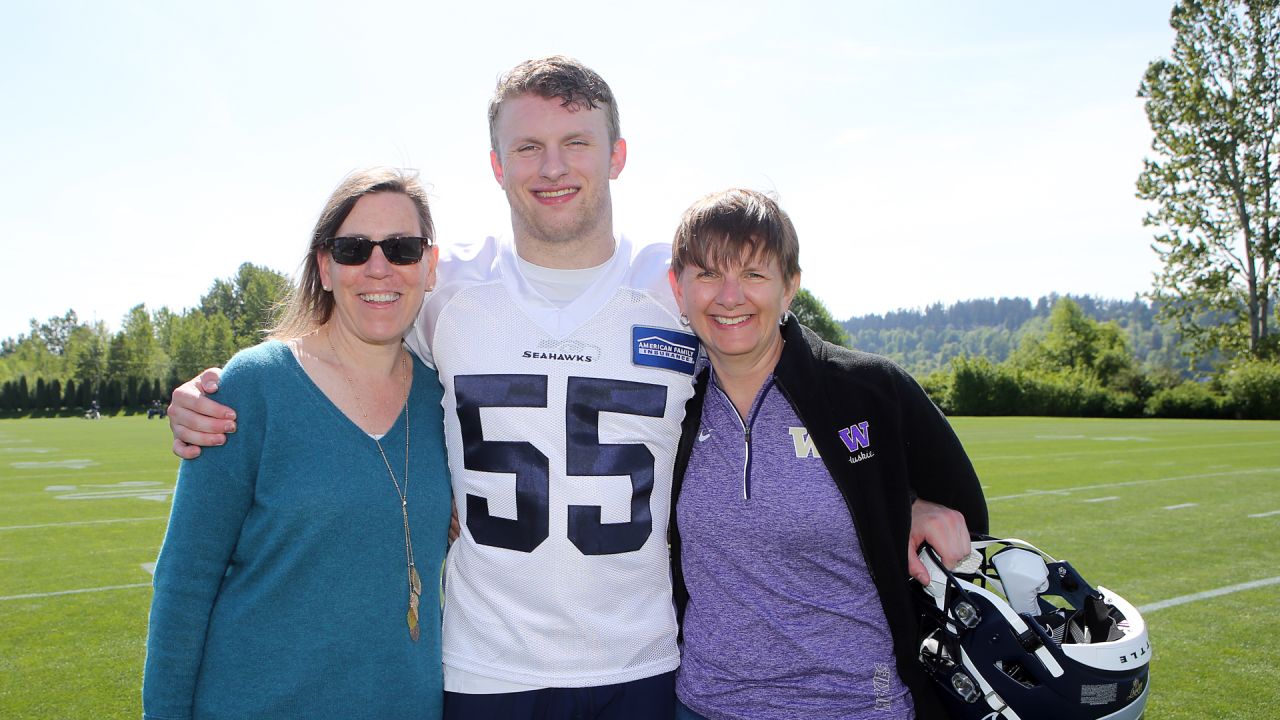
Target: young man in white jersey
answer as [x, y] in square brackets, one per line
[566, 371]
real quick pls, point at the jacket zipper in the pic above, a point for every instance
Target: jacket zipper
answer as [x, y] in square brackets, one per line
[746, 432]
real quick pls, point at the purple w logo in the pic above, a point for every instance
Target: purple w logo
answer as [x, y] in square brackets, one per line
[856, 436]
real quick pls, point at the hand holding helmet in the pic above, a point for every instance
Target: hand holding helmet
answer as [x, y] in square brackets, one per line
[1012, 634]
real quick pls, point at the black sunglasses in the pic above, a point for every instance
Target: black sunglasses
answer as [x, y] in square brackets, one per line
[358, 250]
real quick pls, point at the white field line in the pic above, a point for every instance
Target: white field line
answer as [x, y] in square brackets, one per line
[81, 522]
[33, 596]
[1265, 514]
[1148, 608]
[1180, 507]
[977, 456]
[1130, 483]
[1108, 498]
[70, 464]
[88, 473]
[1183, 600]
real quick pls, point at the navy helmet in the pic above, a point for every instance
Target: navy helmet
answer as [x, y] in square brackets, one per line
[1013, 634]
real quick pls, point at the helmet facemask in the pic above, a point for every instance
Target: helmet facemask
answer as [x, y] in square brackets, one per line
[1012, 634]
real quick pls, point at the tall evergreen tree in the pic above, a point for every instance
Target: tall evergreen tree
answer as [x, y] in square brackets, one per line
[69, 394]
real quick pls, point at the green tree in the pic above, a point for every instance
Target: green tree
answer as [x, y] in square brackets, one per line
[30, 357]
[87, 351]
[1074, 343]
[260, 290]
[56, 331]
[69, 394]
[199, 341]
[1212, 106]
[248, 301]
[811, 313]
[162, 320]
[1253, 389]
[185, 351]
[112, 395]
[135, 351]
[119, 360]
[221, 298]
[218, 341]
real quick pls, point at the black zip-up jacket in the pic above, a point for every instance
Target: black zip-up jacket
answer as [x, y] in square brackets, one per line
[905, 449]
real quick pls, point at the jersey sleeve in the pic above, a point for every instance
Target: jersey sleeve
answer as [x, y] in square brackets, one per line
[461, 266]
[650, 267]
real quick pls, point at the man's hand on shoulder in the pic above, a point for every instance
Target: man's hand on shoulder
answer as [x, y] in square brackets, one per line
[197, 421]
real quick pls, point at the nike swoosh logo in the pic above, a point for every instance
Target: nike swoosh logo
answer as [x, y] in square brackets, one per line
[703, 435]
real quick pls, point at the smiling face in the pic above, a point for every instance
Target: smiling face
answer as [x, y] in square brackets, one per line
[735, 310]
[376, 302]
[555, 164]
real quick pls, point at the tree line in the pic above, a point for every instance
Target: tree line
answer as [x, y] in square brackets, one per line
[1071, 364]
[927, 340]
[64, 365]
[1058, 356]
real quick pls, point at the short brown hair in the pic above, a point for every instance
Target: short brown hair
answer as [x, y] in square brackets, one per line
[308, 306]
[576, 85]
[719, 230]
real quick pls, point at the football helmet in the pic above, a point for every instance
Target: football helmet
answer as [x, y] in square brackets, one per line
[1013, 634]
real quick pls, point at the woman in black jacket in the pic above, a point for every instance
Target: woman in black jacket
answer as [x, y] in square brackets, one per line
[800, 469]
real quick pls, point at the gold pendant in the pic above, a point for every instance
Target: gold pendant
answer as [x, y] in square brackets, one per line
[412, 618]
[415, 582]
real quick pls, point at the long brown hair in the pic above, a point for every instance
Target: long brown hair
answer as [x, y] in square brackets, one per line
[309, 306]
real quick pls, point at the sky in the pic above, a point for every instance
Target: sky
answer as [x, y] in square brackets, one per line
[926, 152]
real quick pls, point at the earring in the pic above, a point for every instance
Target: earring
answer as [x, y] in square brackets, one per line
[684, 320]
[327, 288]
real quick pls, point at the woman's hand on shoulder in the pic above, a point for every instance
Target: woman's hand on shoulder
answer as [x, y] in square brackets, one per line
[946, 532]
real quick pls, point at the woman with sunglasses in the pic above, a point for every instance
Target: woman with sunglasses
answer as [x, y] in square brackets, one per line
[299, 573]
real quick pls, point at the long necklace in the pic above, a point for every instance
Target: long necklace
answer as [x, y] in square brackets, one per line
[415, 582]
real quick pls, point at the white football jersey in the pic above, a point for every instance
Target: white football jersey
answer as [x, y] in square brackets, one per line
[562, 426]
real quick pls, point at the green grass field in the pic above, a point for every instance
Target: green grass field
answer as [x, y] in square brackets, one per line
[1157, 510]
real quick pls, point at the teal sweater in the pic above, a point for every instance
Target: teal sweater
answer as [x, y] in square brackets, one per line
[281, 588]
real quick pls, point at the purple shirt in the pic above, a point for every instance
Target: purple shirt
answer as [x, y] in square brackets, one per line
[783, 619]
